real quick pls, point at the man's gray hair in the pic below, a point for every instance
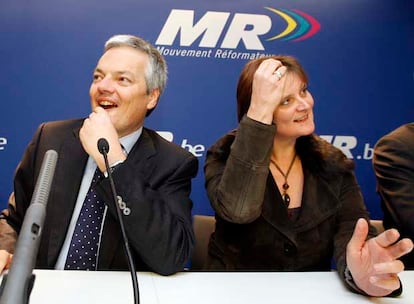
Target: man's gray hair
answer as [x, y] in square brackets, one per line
[156, 71]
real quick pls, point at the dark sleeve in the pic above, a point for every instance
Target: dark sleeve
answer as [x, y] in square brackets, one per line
[11, 218]
[159, 226]
[351, 285]
[394, 169]
[236, 180]
[8, 235]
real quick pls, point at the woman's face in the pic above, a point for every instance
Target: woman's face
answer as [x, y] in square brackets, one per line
[294, 114]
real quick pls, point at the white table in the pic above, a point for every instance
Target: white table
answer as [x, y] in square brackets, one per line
[61, 287]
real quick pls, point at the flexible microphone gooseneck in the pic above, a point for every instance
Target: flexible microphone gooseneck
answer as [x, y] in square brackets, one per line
[103, 147]
[17, 284]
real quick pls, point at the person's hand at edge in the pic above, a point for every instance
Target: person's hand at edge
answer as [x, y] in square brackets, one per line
[374, 263]
[5, 260]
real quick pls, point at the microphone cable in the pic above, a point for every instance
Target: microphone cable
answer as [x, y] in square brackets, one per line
[103, 147]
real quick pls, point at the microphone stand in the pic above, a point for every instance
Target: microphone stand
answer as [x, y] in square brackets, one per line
[103, 148]
[17, 285]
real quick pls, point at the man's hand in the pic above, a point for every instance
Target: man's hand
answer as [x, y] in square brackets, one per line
[5, 260]
[373, 263]
[97, 126]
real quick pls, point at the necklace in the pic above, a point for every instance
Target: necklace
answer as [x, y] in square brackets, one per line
[285, 196]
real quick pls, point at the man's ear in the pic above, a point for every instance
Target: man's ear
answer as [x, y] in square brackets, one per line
[153, 99]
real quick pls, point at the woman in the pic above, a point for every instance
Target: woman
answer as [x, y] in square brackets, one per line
[286, 200]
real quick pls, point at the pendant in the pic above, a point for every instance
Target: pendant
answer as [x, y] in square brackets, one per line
[286, 198]
[285, 186]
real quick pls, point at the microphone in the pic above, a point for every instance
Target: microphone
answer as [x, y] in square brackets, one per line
[103, 147]
[17, 284]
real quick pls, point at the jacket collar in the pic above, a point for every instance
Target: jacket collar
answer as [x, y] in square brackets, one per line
[69, 171]
[139, 158]
[319, 202]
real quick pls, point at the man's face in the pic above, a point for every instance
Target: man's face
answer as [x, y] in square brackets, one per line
[119, 87]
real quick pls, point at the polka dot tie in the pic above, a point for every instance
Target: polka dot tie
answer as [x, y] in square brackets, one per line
[83, 250]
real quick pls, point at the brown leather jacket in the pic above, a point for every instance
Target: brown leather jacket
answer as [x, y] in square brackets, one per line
[253, 231]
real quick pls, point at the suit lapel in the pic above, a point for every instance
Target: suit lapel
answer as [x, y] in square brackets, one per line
[143, 150]
[139, 157]
[68, 177]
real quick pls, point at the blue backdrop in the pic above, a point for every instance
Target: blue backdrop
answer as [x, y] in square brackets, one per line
[359, 55]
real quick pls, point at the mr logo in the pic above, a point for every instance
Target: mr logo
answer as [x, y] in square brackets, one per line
[346, 144]
[243, 27]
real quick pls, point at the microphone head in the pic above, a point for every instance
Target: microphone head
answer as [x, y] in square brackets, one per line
[103, 145]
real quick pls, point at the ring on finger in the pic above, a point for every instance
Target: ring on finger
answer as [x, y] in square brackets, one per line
[278, 74]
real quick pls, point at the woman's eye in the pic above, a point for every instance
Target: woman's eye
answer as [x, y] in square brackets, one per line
[285, 102]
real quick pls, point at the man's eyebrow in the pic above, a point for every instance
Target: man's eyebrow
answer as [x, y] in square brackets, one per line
[116, 72]
[124, 72]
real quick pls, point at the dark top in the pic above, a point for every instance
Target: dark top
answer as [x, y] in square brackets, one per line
[394, 169]
[154, 182]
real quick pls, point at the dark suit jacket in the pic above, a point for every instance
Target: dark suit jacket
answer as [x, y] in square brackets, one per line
[154, 182]
[394, 168]
[253, 231]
